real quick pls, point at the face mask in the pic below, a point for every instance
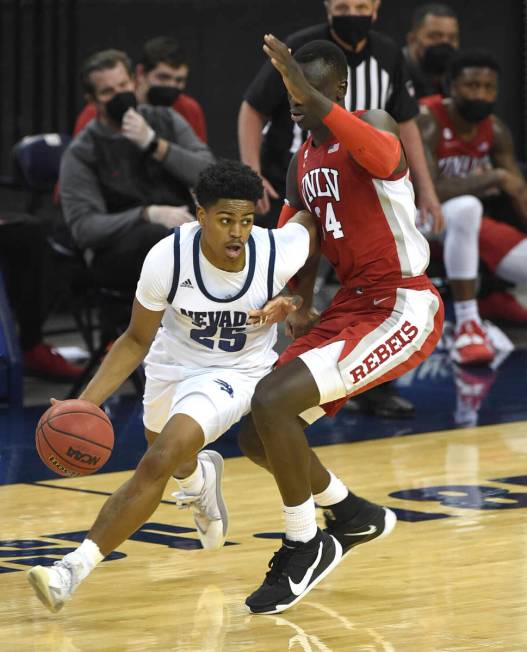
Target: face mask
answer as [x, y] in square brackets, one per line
[163, 95]
[436, 58]
[352, 29]
[475, 110]
[119, 105]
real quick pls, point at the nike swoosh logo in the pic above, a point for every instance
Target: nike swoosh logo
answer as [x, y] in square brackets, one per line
[377, 301]
[371, 530]
[299, 588]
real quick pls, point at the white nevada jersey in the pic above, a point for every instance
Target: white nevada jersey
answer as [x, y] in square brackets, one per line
[205, 321]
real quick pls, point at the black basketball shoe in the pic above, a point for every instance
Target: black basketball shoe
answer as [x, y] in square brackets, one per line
[295, 569]
[370, 522]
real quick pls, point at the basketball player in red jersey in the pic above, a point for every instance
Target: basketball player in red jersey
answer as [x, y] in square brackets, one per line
[471, 156]
[352, 177]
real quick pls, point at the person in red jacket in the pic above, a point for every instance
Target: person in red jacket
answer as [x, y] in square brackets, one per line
[161, 78]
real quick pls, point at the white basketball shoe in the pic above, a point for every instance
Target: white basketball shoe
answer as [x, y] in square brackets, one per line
[210, 512]
[53, 585]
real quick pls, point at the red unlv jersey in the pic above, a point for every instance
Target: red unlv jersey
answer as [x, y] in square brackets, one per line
[367, 225]
[457, 157]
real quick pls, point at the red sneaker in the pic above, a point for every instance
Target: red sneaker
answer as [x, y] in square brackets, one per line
[502, 307]
[44, 362]
[471, 345]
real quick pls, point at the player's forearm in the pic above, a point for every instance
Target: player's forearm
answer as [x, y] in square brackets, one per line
[378, 152]
[520, 206]
[415, 155]
[123, 358]
[304, 281]
[476, 185]
[250, 125]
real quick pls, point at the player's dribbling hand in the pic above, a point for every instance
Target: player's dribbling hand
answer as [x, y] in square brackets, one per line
[294, 79]
[274, 311]
[301, 322]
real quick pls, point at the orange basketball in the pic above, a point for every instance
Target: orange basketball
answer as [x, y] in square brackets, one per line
[74, 438]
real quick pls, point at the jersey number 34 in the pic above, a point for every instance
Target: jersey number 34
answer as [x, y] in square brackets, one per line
[331, 224]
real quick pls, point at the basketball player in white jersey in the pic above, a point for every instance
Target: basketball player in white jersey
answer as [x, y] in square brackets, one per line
[203, 313]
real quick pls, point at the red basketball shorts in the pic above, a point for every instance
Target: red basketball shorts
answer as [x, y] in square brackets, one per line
[365, 340]
[496, 239]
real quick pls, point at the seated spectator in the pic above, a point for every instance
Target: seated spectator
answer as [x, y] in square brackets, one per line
[161, 75]
[431, 44]
[471, 155]
[126, 179]
[22, 254]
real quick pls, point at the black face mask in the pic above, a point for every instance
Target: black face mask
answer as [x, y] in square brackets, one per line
[436, 58]
[352, 29]
[163, 95]
[119, 105]
[474, 110]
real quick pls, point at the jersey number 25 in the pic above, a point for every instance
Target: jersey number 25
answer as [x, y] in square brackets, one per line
[230, 339]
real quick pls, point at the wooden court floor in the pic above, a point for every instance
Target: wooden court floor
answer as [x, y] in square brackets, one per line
[451, 578]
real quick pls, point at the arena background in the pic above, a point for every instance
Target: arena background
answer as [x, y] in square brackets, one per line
[43, 42]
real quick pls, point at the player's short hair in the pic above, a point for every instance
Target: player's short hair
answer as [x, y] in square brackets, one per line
[472, 59]
[228, 179]
[163, 49]
[431, 9]
[328, 52]
[103, 60]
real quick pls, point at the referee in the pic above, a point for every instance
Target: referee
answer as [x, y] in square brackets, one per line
[377, 79]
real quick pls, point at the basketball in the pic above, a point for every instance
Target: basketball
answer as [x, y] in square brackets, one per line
[74, 438]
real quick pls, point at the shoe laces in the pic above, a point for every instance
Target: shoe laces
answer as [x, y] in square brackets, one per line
[66, 575]
[198, 502]
[329, 520]
[183, 500]
[278, 563]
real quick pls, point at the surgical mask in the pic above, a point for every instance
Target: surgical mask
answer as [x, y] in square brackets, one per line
[163, 95]
[352, 29]
[119, 105]
[436, 58]
[474, 110]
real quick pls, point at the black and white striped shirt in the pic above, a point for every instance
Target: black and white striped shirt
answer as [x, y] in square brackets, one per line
[377, 79]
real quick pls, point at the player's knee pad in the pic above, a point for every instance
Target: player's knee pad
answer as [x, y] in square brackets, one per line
[463, 216]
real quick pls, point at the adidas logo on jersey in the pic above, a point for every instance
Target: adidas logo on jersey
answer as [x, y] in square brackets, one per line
[333, 148]
[187, 284]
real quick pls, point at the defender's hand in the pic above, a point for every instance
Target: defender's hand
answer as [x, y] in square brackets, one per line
[301, 322]
[274, 311]
[294, 79]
